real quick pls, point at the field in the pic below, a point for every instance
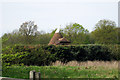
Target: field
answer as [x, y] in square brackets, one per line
[73, 69]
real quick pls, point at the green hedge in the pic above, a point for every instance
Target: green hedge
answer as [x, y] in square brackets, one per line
[81, 53]
[27, 55]
[45, 55]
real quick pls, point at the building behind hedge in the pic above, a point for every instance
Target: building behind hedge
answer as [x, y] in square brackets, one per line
[58, 39]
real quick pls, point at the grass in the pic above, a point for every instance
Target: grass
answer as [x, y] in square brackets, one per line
[65, 71]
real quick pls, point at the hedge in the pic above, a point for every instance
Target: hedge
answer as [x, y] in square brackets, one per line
[81, 53]
[45, 55]
[27, 55]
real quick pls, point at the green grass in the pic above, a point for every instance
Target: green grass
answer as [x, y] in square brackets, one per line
[60, 72]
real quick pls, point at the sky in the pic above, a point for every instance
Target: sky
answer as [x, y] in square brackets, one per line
[51, 14]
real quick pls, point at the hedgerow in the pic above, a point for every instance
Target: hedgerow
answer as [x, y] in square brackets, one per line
[45, 55]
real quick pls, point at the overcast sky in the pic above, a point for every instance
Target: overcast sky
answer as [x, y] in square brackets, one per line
[51, 14]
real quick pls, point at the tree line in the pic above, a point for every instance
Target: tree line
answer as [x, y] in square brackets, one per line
[105, 32]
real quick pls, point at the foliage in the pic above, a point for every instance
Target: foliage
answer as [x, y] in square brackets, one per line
[76, 33]
[81, 53]
[27, 55]
[45, 55]
[118, 34]
[4, 38]
[42, 39]
[29, 30]
[53, 32]
[15, 37]
[12, 38]
[105, 32]
[115, 51]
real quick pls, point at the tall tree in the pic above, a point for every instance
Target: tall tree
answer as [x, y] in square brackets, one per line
[104, 32]
[28, 30]
[76, 33]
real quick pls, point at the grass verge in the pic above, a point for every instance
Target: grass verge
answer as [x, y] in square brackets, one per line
[61, 71]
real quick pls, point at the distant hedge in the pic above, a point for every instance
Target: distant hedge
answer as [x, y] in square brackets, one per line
[45, 55]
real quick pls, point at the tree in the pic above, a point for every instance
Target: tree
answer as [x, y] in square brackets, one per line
[4, 38]
[76, 33]
[118, 34]
[42, 38]
[12, 38]
[28, 30]
[104, 32]
[53, 32]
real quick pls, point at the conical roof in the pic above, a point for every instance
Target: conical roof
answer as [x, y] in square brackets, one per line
[55, 37]
[63, 40]
[58, 39]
